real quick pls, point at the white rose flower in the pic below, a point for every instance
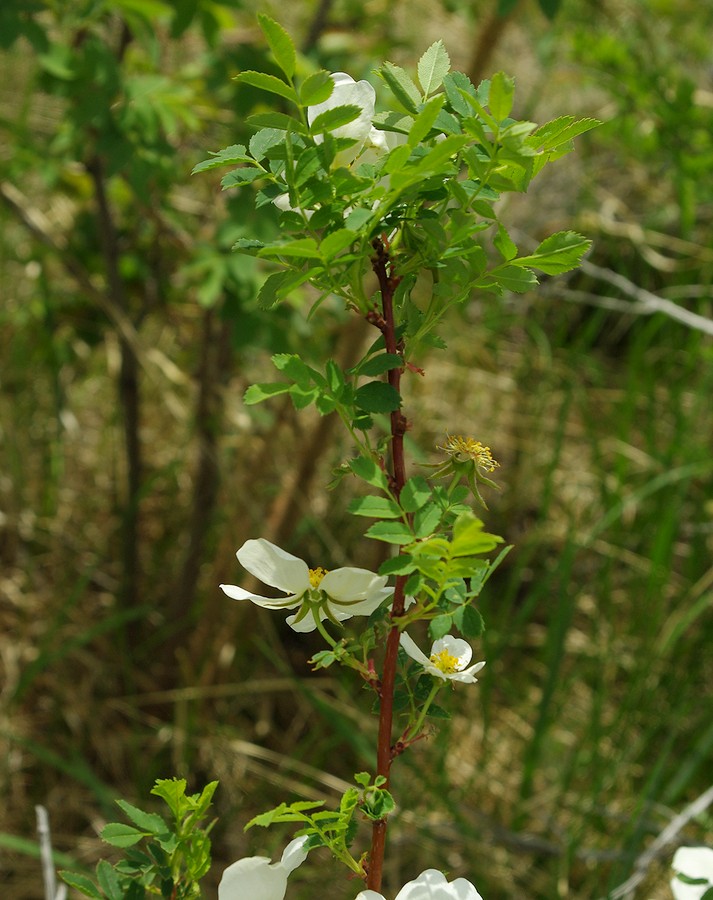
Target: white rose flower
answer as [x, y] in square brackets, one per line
[430, 885]
[448, 660]
[336, 595]
[256, 878]
[695, 863]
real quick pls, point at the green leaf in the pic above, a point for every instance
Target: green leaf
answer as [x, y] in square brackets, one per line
[558, 253]
[368, 470]
[504, 244]
[433, 66]
[241, 176]
[439, 627]
[502, 89]
[277, 120]
[109, 881]
[294, 368]
[398, 565]
[513, 278]
[469, 537]
[269, 83]
[469, 622]
[265, 140]
[146, 821]
[401, 86]
[374, 508]
[337, 241]
[390, 532]
[377, 365]
[119, 835]
[280, 43]
[303, 247]
[378, 397]
[278, 285]
[82, 884]
[335, 118]
[230, 156]
[397, 158]
[424, 120]
[256, 393]
[560, 131]
[453, 84]
[317, 88]
[415, 494]
[426, 520]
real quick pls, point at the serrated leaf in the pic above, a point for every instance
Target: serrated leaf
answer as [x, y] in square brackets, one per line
[401, 86]
[278, 285]
[256, 393]
[317, 88]
[146, 821]
[82, 884]
[277, 120]
[303, 247]
[558, 253]
[337, 241]
[269, 83]
[230, 156]
[500, 100]
[335, 118]
[439, 627]
[398, 565]
[238, 177]
[453, 84]
[560, 131]
[513, 278]
[377, 365]
[248, 245]
[294, 368]
[280, 43]
[377, 397]
[426, 520]
[433, 66]
[415, 494]
[109, 881]
[120, 835]
[425, 119]
[469, 538]
[390, 532]
[374, 508]
[368, 470]
[504, 244]
[397, 158]
[469, 622]
[265, 140]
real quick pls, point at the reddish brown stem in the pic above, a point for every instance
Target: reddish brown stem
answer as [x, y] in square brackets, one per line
[385, 754]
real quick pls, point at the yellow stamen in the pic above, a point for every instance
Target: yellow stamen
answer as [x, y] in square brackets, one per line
[466, 448]
[316, 576]
[446, 662]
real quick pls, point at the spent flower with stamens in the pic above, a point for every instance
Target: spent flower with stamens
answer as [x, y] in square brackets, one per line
[463, 449]
[469, 459]
[317, 594]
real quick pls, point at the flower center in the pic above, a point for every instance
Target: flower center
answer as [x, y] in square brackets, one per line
[316, 576]
[463, 449]
[446, 662]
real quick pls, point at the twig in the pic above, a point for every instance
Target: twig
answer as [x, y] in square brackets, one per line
[667, 836]
[52, 892]
[645, 303]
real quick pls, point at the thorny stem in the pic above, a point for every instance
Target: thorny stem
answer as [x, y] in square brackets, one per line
[388, 283]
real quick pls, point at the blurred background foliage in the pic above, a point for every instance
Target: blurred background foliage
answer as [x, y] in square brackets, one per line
[130, 470]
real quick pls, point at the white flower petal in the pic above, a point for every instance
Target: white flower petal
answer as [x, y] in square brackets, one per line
[237, 593]
[253, 878]
[294, 854]
[695, 862]
[454, 647]
[467, 676]
[413, 650]
[274, 566]
[349, 585]
[348, 92]
[369, 895]
[256, 878]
